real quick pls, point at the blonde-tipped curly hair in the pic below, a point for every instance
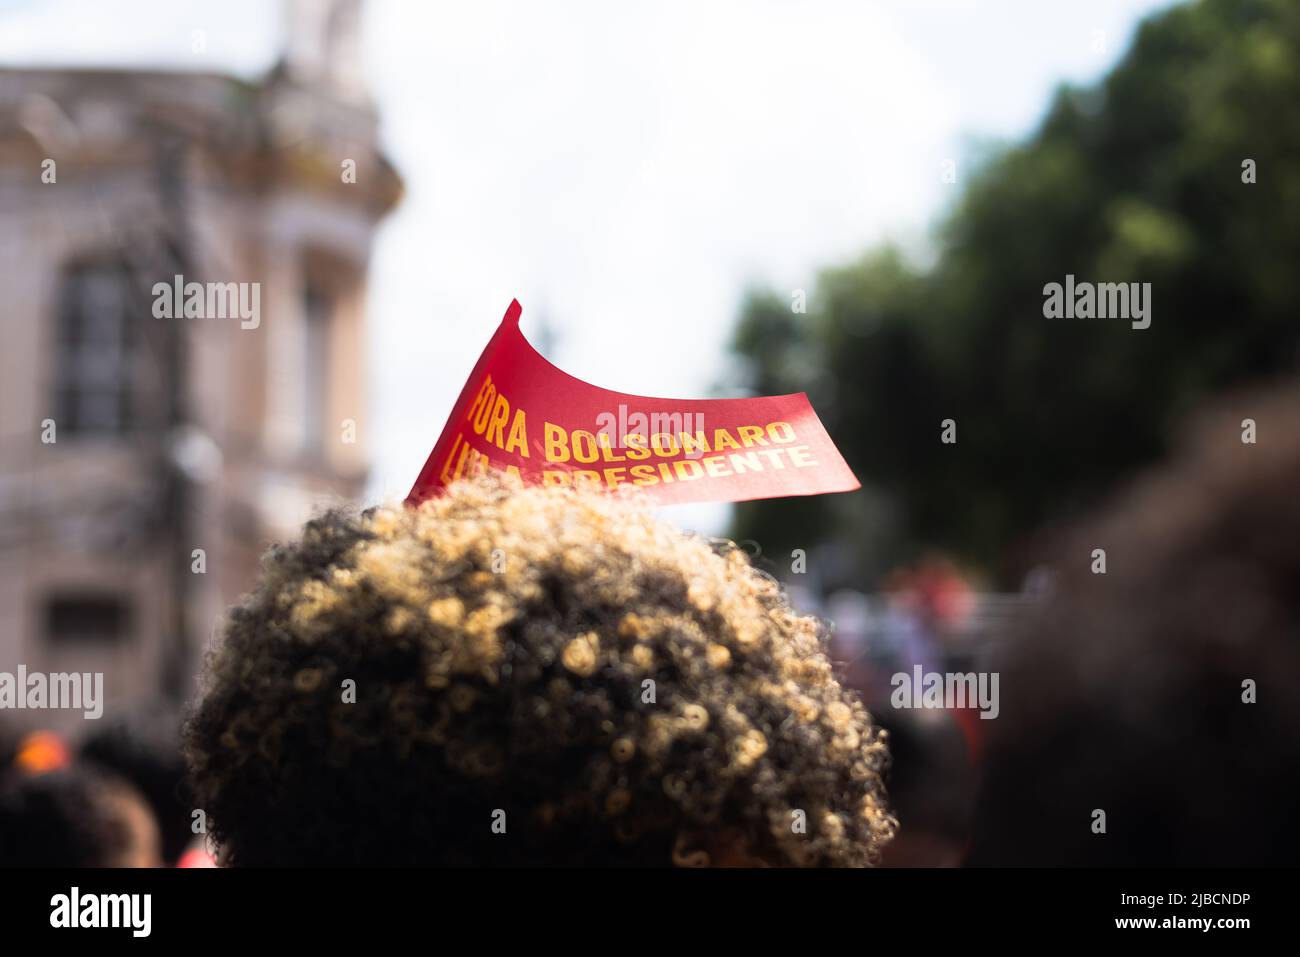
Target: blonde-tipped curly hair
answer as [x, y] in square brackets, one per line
[527, 675]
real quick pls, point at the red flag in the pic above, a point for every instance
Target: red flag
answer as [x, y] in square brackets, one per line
[522, 415]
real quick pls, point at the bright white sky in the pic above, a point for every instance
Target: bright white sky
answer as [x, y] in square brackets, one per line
[626, 169]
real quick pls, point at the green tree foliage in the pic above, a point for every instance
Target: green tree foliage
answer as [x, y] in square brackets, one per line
[1139, 179]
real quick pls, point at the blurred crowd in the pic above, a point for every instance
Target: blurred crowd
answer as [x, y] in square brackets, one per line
[115, 798]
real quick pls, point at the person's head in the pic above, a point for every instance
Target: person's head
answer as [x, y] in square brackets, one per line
[1161, 691]
[528, 676]
[144, 747]
[76, 816]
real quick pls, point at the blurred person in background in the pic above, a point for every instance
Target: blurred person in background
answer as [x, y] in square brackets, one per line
[1162, 692]
[144, 748]
[75, 816]
[932, 772]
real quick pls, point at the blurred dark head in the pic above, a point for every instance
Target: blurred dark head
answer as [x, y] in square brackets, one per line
[1125, 694]
[143, 746]
[77, 816]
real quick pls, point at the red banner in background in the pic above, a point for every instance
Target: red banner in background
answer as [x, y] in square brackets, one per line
[522, 415]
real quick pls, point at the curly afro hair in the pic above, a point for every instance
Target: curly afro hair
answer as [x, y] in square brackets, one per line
[511, 675]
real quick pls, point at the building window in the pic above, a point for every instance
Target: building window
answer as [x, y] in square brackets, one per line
[317, 310]
[86, 619]
[95, 349]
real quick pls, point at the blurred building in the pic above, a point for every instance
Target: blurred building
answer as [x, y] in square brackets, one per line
[145, 462]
